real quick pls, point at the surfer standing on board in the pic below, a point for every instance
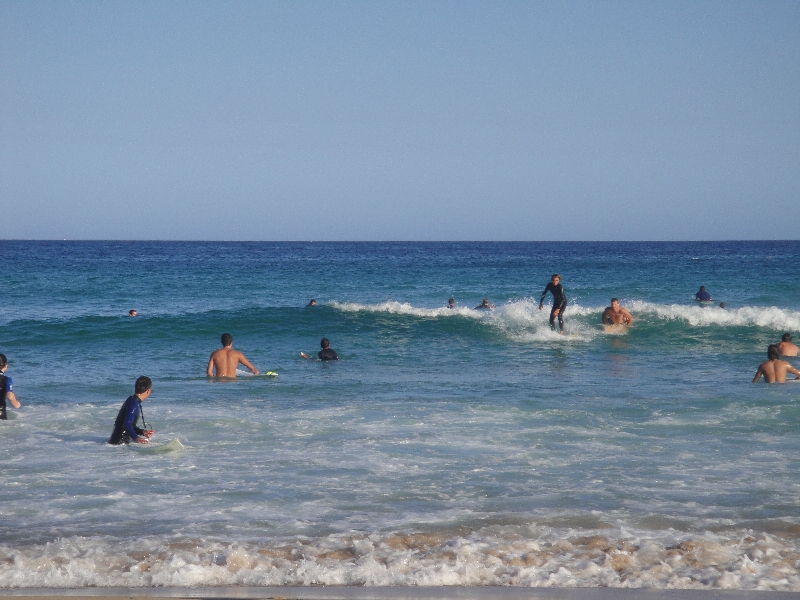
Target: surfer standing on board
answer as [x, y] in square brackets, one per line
[6, 389]
[774, 370]
[559, 302]
[616, 315]
[226, 359]
[786, 347]
[125, 428]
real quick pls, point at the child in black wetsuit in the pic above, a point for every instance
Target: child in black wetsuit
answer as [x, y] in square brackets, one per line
[559, 301]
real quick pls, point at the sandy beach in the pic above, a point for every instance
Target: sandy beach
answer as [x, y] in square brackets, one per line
[394, 593]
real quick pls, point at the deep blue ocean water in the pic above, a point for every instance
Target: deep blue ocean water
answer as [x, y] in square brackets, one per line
[446, 447]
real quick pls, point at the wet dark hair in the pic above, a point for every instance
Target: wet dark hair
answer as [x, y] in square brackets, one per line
[226, 339]
[702, 288]
[787, 337]
[325, 343]
[773, 352]
[142, 384]
[3, 361]
[451, 300]
[614, 300]
[554, 275]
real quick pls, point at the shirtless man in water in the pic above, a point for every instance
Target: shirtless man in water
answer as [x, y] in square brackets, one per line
[774, 370]
[616, 315]
[786, 347]
[226, 359]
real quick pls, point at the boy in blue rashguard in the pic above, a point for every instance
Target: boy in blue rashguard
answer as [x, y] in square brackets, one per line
[125, 428]
[6, 389]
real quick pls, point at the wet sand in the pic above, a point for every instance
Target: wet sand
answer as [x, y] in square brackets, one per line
[392, 593]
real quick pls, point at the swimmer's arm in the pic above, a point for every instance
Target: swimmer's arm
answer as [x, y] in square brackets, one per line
[791, 369]
[759, 373]
[12, 399]
[628, 315]
[304, 355]
[210, 368]
[247, 364]
[605, 318]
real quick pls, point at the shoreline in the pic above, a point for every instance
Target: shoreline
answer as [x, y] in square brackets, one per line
[391, 593]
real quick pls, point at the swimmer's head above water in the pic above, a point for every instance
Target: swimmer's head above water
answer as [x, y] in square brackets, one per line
[226, 339]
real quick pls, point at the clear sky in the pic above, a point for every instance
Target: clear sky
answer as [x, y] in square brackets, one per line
[400, 120]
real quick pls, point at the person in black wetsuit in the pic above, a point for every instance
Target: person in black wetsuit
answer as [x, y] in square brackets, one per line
[327, 353]
[125, 428]
[6, 389]
[559, 301]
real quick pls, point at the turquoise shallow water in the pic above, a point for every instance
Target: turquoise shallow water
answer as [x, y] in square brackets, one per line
[445, 447]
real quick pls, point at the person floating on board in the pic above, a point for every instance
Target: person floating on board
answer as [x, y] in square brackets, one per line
[786, 347]
[451, 303]
[226, 359]
[312, 302]
[125, 429]
[702, 295]
[6, 389]
[484, 305]
[327, 353]
[774, 370]
[616, 315]
[559, 302]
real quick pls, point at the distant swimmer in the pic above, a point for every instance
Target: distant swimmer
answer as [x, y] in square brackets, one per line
[786, 347]
[226, 359]
[327, 353]
[132, 313]
[616, 315]
[125, 428]
[702, 295]
[6, 389]
[451, 303]
[722, 305]
[484, 305]
[559, 302]
[312, 302]
[774, 370]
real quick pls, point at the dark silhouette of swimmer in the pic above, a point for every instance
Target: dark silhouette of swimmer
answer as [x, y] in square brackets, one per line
[312, 302]
[132, 313]
[702, 295]
[6, 389]
[559, 302]
[125, 428]
[484, 305]
[451, 303]
[327, 353]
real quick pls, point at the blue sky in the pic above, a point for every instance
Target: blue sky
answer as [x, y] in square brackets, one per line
[400, 120]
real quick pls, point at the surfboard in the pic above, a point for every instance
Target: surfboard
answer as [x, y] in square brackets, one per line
[240, 373]
[173, 446]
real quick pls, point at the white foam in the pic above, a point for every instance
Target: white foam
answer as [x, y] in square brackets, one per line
[524, 316]
[770, 317]
[529, 556]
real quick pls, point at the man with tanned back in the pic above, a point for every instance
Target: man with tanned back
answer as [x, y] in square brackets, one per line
[786, 347]
[774, 370]
[226, 359]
